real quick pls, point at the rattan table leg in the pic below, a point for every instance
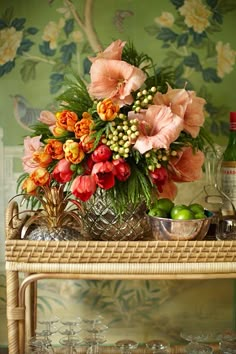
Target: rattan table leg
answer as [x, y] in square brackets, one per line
[12, 287]
[30, 310]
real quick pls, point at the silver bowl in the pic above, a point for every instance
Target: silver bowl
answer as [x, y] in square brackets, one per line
[170, 229]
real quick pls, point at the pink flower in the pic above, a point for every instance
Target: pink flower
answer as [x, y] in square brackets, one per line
[158, 128]
[104, 174]
[122, 169]
[169, 190]
[62, 172]
[115, 79]
[31, 145]
[113, 51]
[187, 167]
[186, 105]
[83, 187]
[194, 117]
[48, 118]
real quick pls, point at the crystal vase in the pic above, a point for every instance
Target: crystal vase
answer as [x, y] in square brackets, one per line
[102, 222]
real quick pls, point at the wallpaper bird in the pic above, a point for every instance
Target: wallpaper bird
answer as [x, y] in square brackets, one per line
[25, 115]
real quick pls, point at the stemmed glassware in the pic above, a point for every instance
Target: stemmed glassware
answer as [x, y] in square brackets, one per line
[157, 346]
[95, 329]
[195, 345]
[42, 339]
[70, 340]
[126, 346]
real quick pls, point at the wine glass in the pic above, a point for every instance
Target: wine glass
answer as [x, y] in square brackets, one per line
[93, 343]
[126, 346]
[70, 329]
[195, 346]
[157, 346]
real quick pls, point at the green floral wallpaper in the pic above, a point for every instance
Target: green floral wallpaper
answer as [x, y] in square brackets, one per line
[39, 42]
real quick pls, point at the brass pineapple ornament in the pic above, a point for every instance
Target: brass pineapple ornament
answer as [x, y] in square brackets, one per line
[58, 216]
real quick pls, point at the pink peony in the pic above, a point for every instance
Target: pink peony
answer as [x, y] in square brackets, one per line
[187, 167]
[115, 79]
[83, 187]
[31, 145]
[158, 127]
[113, 51]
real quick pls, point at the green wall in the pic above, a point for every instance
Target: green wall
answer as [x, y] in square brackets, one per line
[30, 82]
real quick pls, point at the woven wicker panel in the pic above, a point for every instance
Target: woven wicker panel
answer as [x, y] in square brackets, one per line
[120, 252]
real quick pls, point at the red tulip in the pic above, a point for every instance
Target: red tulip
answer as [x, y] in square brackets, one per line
[83, 187]
[101, 153]
[62, 172]
[159, 177]
[122, 169]
[104, 174]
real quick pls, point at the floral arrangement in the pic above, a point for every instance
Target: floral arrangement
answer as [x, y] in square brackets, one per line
[127, 132]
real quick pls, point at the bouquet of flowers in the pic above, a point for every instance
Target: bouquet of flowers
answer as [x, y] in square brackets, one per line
[127, 132]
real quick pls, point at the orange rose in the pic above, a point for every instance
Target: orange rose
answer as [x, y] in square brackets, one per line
[82, 127]
[42, 158]
[40, 176]
[29, 186]
[55, 149]
[107, 110]
[73, 151]
[66, 120]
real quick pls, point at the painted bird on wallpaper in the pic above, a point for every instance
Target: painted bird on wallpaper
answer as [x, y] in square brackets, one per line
[24, 113]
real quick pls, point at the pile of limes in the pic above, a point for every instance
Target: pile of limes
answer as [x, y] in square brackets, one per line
[166, 208]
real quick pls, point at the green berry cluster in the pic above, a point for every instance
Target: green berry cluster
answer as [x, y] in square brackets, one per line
[122, 135]
[143, 99]
[157, 158]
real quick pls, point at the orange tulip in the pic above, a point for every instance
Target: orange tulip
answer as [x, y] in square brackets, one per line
[82, 127]
[73, 151]
[66, 120]
[29, 186]
[42, 158]
[40, 176]
[107, 110]
[55, 149]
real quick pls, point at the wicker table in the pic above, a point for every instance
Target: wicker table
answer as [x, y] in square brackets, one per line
[35, 260]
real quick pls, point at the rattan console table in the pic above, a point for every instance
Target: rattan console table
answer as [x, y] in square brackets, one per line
[30, 261]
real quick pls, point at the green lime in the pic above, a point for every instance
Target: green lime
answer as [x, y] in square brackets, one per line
[165, 204]
[196, 208]
[184, 214]
[158, 212]
[176, 209]
[200, 216]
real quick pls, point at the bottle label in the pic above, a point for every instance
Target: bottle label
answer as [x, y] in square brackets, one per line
[228, 170]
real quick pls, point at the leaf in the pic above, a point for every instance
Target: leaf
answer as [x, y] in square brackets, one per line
[18, 23]
[32, 30]
[182, 40]
[56, 82]
[177, 3]
[69, 26]
[210, 75]
[25, 46]
[225, 6]
[67, 51]
[167, 34]
[7, 17]
[6, 68]
[45, 302]
[28, 70]
[193, 61]
[46, 50]
[152, 30]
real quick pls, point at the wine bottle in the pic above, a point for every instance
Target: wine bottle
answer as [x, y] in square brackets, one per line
[228, 166]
